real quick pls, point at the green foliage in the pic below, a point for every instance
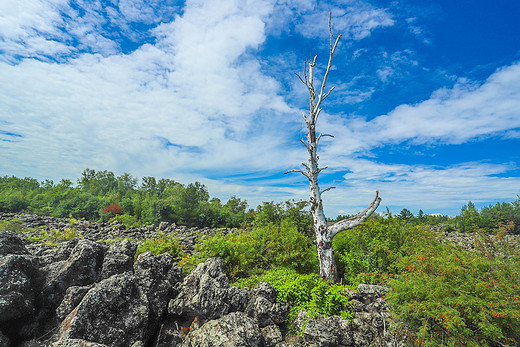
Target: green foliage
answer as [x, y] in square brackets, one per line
[405, 214]
[14, 225]
[490, 218]
[367, 253]
[304, 291]
[54, 236]
[162, 243]
[152, 202]
[127, 220]
[292, 212]
[469, 218]
[449, 296]
[251, 251]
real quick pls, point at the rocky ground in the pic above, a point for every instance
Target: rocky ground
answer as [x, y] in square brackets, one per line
[86, 293]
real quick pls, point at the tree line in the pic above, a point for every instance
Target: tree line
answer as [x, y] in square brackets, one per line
[102, 196]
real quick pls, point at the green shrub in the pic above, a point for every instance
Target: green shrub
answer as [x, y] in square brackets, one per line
[449, 296]
[368, 252]
[251, 251]
[162, 243]
[54, 236]
[304, 291]
[13, 225]
[127, 220]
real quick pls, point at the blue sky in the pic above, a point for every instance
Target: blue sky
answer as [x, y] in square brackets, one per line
[426, 106]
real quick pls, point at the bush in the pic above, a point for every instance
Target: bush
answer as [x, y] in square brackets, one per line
[162, 243]
[54, 236]
[127, 220]
[113, 209]
[253, 251]
[449, 296]
[14, 225]
[368, 252]
[309, 292]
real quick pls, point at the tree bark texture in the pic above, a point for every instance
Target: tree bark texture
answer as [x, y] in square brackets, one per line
[324, 234]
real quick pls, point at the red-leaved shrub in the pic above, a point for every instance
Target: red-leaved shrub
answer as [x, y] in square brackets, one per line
[113, 209]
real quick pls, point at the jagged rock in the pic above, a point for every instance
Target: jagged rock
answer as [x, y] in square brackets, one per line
[16, 287]
[170, 333]
[325, 331]
[371, 290]
[115, 312]
[272, 335]
[238, 298]
[119, 258]
[263, 306]
[4, 340]
[124, 308]
[233, 330]
[76, 343]
[157, 279]
[48, 255]
[11, 243]
[81, 268]
[73, 297]
[107, 300]
[204, 292]
[32, 343]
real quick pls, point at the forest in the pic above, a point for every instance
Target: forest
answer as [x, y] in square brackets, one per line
[442, 293]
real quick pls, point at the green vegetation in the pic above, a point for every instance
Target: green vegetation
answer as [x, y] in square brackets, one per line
[101, 196]
[304, 291]
[249, 252]
[442, 295]
[54, 236]
[163, 243]
[14, 225]
[449, 296]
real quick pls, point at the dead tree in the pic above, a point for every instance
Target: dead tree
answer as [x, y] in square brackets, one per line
[324, 233]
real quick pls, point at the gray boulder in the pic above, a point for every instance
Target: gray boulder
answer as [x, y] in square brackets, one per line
[17, 295]
[325, 331]
[272, 335]
[4, 340]
[11, 243]
[370, 291]
[73, 297]
[81, 268]
[119, 258]
[158, 279]
[263, 306]
[204, 292]
[114, 312]
[124, 308]
[76, 343]
[233, 330]
[17, 282]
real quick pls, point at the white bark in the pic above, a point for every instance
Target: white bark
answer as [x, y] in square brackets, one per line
[324, 234]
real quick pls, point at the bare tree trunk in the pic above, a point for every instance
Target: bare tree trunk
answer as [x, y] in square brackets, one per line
[324, 234]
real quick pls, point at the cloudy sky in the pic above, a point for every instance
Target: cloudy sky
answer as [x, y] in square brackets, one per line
[426, 106]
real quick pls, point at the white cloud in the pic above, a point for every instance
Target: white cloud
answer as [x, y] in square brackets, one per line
[194, 101]
[188, 104]
[354, 19]
[465, 112]
[429, 188]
